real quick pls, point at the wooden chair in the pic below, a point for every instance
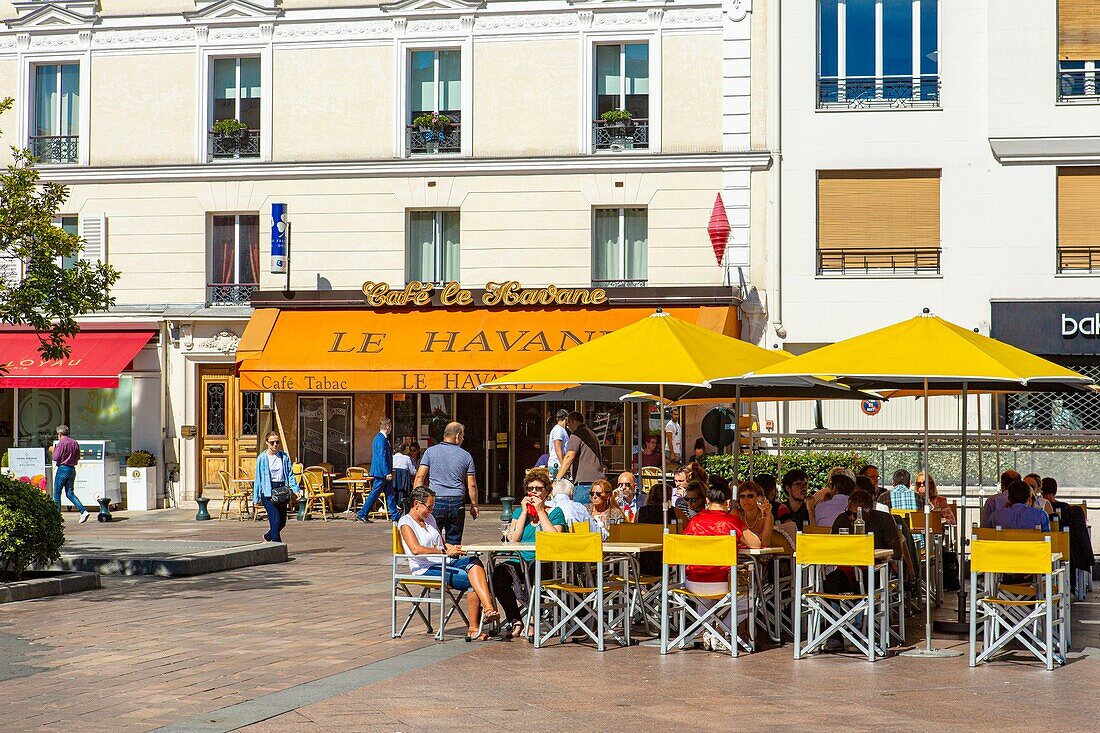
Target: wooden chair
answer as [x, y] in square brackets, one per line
[649, 478]
[357, 491]
[236, 499]
[313, 484]
[816, 529]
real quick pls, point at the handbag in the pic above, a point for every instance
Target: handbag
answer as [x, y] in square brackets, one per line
[280, 494]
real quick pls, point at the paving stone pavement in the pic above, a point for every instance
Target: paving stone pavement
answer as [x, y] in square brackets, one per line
[304, 646]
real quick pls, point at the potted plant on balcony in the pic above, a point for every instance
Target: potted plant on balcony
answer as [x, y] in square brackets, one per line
[620, 128]
[228, 136]
[141, 481]
[433, 128]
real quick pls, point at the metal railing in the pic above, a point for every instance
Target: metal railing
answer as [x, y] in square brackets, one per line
[424, 141]
[1079, 258]
[55, 149]
[633, 135]
[230, 293]
[1078, 85]
[627, 283]
[226, 146]
[878, 92]
[878, 261]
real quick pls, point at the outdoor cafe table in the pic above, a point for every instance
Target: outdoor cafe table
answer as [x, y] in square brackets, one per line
[350, 482]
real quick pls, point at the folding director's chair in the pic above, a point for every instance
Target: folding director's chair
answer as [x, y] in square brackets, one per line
[433, 592]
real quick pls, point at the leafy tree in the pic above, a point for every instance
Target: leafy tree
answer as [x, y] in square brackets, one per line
[49, 297]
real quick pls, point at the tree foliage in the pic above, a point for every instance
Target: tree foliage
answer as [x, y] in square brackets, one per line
[49, 297]
[31, 530]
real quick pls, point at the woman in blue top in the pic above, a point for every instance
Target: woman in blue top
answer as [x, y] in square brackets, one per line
[532, 516]
[274, 482]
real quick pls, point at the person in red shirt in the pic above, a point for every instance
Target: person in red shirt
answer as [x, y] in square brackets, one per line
[716, 519]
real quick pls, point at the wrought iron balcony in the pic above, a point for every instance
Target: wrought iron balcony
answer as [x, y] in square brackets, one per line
[231, 146]
[879, 261]
[1079, 259]
[55, 149]
[878, 92]
[230, 293]
[633, 135]
[1078, 85]
[633, 283]
[425, 141]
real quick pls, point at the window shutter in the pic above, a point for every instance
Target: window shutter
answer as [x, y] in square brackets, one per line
[1079, 30]
[93, 230]
[878, 209]
[1078, 240]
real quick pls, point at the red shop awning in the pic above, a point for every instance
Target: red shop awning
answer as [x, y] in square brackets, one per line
[95, 361]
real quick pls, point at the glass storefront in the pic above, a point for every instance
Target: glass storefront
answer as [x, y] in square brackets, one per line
[325, 431]
[100, 414]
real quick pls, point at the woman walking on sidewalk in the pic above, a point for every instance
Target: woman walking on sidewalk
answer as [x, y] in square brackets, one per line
[273, 485]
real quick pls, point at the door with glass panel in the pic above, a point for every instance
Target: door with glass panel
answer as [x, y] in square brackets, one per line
[622, 85]
[235, 108]
[434, 248]
[620, 248]
[55, 126]
[435, 102]
[229, 419]
[325, 431]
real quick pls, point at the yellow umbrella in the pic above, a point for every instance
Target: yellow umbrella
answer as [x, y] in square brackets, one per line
[929, 350]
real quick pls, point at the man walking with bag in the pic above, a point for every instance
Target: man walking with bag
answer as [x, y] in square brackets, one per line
[381, 470]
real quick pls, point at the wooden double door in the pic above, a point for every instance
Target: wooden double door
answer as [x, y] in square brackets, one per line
[229, 425]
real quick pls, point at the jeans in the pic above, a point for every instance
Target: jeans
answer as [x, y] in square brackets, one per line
[65, 479]
[276, 518]
[458, 576]
[381, 485]
[582, 493]
[450, 517]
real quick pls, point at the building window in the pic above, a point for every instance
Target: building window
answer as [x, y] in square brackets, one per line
[234, 259]
[878, 54]
[1078, 51]
[622, 84]
[878, 222]
[435, 102]
[70, 225]
[620, 244]
[434, 250]
[55, 123]
[1078, 239]
[235, 109]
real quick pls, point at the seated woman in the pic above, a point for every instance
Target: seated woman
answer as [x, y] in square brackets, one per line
[533, 515]
[755, 511]
[420, 536]
[716, 519]
[605, 511]
[691, 503]
[926, 489]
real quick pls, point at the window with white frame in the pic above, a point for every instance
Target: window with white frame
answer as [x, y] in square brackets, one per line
[70, 224]
[234, 258]
[236, 94]
[55, 115]
[622, 96]
[620, 246]
[435, 102]
[434, 249]
[878, 54]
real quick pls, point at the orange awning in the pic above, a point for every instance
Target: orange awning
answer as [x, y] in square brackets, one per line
[429, 350]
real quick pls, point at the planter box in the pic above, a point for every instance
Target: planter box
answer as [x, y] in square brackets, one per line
[142, 489]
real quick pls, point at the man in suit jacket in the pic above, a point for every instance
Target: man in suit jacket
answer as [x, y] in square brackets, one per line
[381, 470]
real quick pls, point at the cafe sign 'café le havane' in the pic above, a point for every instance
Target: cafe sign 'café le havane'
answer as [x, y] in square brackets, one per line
[331, 363]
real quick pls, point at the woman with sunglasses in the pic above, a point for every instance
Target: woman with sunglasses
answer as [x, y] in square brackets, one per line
[926, 489]
[605, 510]
[273, 485]
[755, 511]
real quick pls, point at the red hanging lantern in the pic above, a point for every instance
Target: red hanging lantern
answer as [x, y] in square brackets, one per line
[719, 229]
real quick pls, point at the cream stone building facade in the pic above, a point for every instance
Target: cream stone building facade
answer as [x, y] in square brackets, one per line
[120, 99]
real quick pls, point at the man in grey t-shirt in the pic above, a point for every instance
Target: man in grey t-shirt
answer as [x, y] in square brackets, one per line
[448, 470]
[583, 455]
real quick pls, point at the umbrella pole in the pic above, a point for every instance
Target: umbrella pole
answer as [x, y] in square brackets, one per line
[778, 444]
[736, 437]
[961, 519]
[664, 454]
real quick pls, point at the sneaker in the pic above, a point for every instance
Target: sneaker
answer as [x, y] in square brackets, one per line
[84, 517]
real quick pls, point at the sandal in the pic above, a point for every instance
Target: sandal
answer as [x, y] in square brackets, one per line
[472, 635]
[516, 630]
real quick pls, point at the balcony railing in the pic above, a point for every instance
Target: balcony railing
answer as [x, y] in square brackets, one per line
[55, 149]
[1078, 85]
[231, 146]
[424, 141]
[878, 261]
[633, 135]
[230, 293]
[1079, 259]
[878, 92]
[630, 283]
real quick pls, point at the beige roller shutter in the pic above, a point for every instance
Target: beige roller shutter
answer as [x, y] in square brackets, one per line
[1078, 204]
[1079, 30]
[874, 209]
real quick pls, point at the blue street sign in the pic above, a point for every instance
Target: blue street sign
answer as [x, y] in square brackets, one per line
[280, 238]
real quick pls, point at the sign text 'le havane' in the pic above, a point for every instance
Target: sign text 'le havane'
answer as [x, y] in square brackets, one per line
[506, 294]
[457, 342]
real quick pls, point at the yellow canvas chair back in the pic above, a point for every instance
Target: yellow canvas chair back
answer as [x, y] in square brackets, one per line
[398, 547]
[1059, 541]
[715, 551]
[903, 513]
[835, 549]
[580, 527]
[625, 532]
[1008, 556]
[568, 547]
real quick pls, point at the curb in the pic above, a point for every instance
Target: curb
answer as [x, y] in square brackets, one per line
[63, 583]
[201, 563]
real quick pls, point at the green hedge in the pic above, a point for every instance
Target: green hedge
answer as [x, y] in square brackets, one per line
[816, 464]
[31, 530]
